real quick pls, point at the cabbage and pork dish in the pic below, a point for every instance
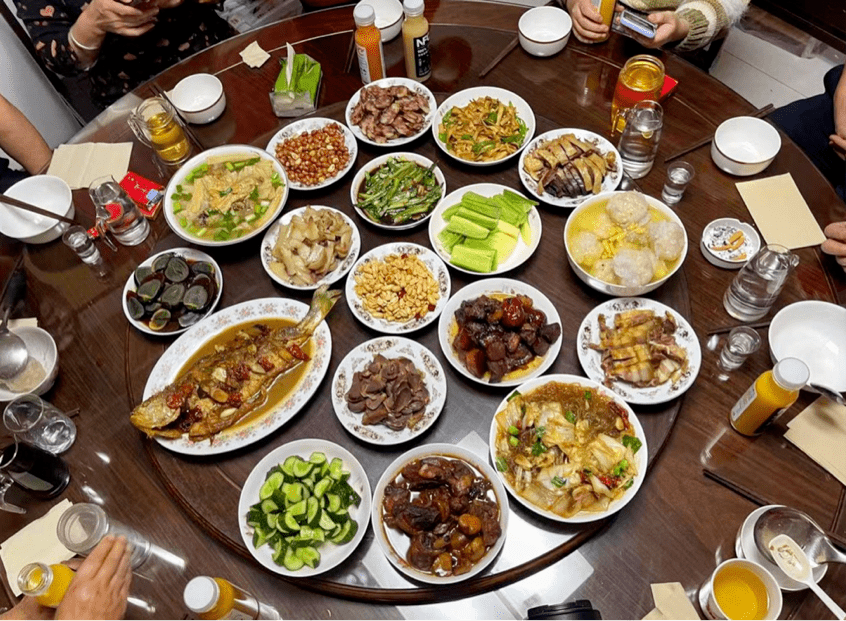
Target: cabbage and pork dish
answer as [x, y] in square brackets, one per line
[566, 448]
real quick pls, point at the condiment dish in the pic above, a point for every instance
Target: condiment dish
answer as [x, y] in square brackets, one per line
[745, 145]
[45, 191]
[41, 347]
[717, 234]
[544, 30]
[200, 98]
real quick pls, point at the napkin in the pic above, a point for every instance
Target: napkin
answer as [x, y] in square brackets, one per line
[79, 164]
[820, 432]
[254, 56]
[23, 322]
[35, 543]
[671, 602]
[782, 215]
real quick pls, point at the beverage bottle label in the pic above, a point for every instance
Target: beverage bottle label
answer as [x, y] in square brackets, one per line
[740, 407]
[237, 614]
[363, 66]
[422, 59]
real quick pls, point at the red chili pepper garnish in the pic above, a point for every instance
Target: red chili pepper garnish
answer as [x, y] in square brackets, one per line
[175, 401]
[431, 307]
[266, 364]
[234, 400]
[241, 372]
[401, 293]
[296, 352]
[607, 481]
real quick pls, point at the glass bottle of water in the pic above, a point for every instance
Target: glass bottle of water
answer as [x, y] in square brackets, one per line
[755, 288]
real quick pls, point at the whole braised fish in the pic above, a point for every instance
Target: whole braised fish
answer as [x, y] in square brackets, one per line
[222, 388]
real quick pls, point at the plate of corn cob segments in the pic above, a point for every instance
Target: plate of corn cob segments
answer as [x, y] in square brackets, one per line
[485, 228]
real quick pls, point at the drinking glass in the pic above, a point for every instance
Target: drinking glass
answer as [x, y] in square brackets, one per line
[679, 174]
[742, 342]
[640, 138]
[758, 283]
[82, 526]
[157, 125]
[38, 472]
[40, 423]
[5, 483]
[77, 239]
[718, 590]
[118, 211]
[641, 78]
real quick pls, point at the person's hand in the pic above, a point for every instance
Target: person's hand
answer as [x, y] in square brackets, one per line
[670, 28]
[28, 608]
[101, 585]
[587, 22]
[117, 17]
[836, 242]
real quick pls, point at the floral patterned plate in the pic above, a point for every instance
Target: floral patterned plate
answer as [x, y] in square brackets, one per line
[390, 347]
[591, 360]
[254, 429]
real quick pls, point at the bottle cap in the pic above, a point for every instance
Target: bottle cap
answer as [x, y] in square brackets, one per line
[364, 15]
[791, 373]
[413, 8]
[201, 594]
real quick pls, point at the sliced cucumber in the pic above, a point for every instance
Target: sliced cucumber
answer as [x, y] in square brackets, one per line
[322, 486]
[313, 511]
[268, 506]
[309, 556]
[291, 561]
[302, 468]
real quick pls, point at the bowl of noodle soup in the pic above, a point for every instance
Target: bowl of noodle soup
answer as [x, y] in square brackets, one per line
[483, 126]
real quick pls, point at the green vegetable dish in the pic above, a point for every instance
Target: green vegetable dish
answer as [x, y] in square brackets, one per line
[302, 505]
[399, 192]
[228, 196]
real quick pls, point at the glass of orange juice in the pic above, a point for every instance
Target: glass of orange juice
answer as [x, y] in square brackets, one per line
[740, 589]
[640, 78]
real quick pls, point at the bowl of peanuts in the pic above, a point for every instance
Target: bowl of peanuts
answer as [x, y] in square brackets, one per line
[398, 288]
[315, 152]
[729, 243]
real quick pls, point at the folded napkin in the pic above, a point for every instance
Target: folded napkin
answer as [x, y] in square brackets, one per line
[35, 543]
[254, 56]
[671, 602]
[820, 432]
[80, 164]
[23, 322]
[782, 215]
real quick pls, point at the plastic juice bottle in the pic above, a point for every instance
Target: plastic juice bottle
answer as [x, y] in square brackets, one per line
[415, 36]
[606, 10]
[216, 598]
[47, 584]
[770, 395]
[368, 44]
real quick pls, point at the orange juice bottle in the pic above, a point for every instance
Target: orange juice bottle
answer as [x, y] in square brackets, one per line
[46, 583]
[606, 10]
[216, 598]
[771, 394]
[368, 44]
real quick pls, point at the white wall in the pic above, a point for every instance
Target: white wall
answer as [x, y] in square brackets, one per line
[23, 83]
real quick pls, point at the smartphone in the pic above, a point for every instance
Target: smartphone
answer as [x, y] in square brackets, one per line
[637, 21]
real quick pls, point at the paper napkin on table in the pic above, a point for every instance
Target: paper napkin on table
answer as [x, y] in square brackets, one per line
[79, 164]
[782, 215]
[820, 432]
[253, 55]
[35, 543]
[23, 322]
[671, 602]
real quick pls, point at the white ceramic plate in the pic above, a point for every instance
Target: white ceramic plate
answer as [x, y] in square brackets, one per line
[311, 124]
[642, 455]
[390, 347]
[591, 360]
[387, 83]
[609, 183]
[395, 544]
[718, 232]
[335, 275]
[522, 251]
[430, 259]
[490, 286]
[185, 253]
[462, 98]
[227, 149]
[244, 434]
[358, 183]
[331, 555]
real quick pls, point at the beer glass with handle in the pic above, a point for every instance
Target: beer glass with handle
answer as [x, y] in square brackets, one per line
[641, 78]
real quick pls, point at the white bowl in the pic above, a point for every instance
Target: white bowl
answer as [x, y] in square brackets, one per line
[41, 346]
[717, 233]
[544, 30]
[745, 145]
[620, 290]
[814, 332]
[199, 97]
[388, 17]
[45, 191]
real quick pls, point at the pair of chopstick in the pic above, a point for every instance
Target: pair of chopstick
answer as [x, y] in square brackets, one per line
[185, 125]
[30, 207]
[759, 113]
[754, 326]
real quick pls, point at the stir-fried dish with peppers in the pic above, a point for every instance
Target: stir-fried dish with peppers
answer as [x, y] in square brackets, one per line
[485, 130]
[228, 196]
[566, 448]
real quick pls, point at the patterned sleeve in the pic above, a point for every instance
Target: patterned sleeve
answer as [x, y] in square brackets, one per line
[708, 19]
[48, 23]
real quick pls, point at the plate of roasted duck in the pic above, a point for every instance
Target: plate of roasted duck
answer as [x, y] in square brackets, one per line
[237, 376]
[390, 112]
[564, 167]
[440, 513]
[388, 390]
[568, 448]
[644, 351]
[500, 332]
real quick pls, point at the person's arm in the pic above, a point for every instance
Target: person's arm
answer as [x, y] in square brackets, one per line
[21, 140]
[685, 23]
[27, 608]
[100, 588]
[838, 139]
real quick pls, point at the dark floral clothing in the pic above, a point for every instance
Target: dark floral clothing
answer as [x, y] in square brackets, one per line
[123, 62]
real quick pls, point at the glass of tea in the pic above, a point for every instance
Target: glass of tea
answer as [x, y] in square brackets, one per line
[157, 125]
[640, 78]
[740, 589]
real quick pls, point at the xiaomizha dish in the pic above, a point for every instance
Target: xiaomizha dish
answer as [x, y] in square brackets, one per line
[484, 130]
[566, 448]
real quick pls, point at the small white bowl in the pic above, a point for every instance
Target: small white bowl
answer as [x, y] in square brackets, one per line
[200, 98]
[45, 191]
[717, 233]
[544, 30]
[388, 17]
[745, 145]
[41, 346]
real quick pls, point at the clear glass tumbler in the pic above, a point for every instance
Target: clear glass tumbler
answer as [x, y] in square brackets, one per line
[82, 526]
[741, 343]
[40, 423]
[640, 138]
[118, 211]
[679, 174]
[77, 239]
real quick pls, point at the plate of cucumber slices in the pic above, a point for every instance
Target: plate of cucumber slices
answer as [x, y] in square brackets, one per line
[304, 508]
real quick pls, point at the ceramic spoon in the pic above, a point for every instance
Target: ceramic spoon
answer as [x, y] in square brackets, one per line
[13, 353]
[801, 528]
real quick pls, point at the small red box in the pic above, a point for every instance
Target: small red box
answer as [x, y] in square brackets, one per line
[147, 194]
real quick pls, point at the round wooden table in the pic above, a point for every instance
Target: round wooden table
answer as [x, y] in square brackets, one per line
[678, 526]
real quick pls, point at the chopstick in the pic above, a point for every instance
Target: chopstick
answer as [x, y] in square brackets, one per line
[760, 112]
[505, 52]
[185, 125]
[755, 326]
[41, 212]
[735, 487]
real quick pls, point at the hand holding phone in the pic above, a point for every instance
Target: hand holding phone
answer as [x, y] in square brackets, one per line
[637, 21]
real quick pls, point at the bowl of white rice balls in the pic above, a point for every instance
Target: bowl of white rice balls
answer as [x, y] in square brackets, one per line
[624, 243]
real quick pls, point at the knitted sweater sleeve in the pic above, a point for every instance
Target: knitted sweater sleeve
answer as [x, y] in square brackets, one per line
[708, 19]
